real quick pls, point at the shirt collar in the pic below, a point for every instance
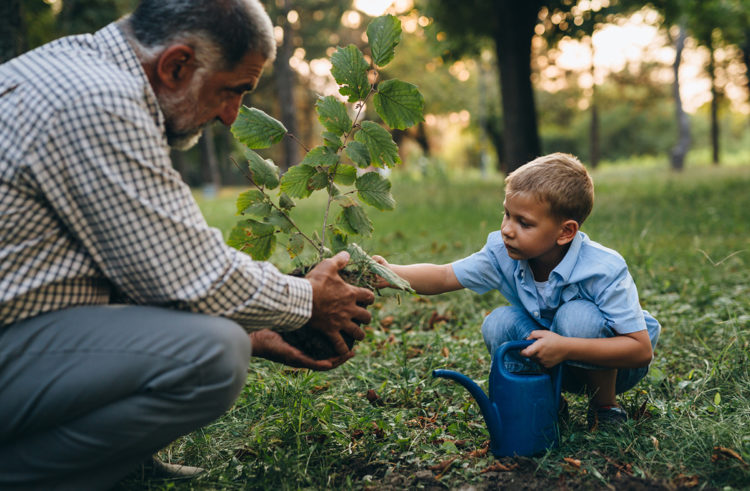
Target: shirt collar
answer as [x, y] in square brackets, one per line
[123, 54]
[565, 268]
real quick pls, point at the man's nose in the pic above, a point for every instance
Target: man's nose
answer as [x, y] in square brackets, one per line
[230, 110]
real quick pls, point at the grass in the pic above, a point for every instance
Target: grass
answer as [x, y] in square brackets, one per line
[687, 243]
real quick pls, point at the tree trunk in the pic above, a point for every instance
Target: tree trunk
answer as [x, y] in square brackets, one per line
[746, 58]
[714, 106]
[680, 150]
[594, 153]
[516, 22]
[11, 29]
[285, 85]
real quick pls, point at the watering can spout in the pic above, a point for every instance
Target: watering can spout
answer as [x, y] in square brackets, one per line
[488, 408]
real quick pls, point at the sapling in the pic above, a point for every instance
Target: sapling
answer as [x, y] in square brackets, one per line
[344, 166]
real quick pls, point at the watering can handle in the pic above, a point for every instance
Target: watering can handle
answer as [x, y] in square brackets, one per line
[520, 345]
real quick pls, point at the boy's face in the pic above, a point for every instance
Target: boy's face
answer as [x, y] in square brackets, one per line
[530, 231]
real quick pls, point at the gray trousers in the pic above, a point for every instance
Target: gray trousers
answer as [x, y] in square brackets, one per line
[88, 393]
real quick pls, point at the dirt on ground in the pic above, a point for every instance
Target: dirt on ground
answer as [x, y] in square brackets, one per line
[517, 474]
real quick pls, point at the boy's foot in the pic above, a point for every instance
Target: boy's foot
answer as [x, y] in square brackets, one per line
[605, 416]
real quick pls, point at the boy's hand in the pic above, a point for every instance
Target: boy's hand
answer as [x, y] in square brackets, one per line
[379, 281]
[548, 350]
[271, 346]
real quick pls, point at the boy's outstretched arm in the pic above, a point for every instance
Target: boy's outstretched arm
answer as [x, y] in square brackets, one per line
[631, 350]
[426, 279]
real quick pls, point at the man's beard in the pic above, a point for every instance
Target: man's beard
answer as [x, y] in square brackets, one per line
[179, 112]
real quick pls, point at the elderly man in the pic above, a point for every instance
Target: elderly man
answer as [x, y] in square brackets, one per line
[124, 318]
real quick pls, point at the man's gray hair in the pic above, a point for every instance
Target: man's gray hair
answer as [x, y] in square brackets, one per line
[234, 27]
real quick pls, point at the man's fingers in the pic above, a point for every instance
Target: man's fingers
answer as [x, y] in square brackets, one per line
[364, 296]
[340, 260]
[362, 316]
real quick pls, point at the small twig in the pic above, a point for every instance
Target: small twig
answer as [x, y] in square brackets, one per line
[718, 263]
[274, 205]
[298, 141]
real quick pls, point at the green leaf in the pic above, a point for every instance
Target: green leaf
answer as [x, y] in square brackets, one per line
[333, 116]
[357, 255]
[256, 129]
[263, 171]
[358, 154]
[332, 141]
[253, 203]
[383, 35]
[280, 221]
[337, 238]
[375, 190]
[350, 71]
[285, 202]
[320, 156]
[354, 220]
[399, 104]
[255, 238]
[295, 245]
[345, 175]
[319, 180]
[383, 151]
[295, 182]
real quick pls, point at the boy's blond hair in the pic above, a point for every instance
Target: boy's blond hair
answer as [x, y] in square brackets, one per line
[558, 179]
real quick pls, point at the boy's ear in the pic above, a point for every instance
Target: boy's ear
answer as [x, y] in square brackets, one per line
[175, 66]
[568, 231]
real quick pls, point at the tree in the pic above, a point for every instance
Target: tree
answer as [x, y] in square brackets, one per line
[308, 24]
[581, 23]
[11, 29]
[509, 26]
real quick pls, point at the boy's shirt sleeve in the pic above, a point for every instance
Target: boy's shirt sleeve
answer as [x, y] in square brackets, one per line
[617, 298]
[488, 269]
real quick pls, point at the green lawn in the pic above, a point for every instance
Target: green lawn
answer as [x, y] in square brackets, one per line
[687, 242]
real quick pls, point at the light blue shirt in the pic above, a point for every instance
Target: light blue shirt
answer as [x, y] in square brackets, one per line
[589, 271]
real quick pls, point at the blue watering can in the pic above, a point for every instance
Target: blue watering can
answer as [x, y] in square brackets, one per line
[521, 411]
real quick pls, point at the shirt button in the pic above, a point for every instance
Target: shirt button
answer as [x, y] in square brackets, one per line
[536, 314]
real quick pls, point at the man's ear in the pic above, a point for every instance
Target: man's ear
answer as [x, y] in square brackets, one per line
[175, 66]
[568, 231]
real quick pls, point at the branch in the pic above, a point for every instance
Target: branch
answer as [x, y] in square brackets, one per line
[298, 141]
[274, 205]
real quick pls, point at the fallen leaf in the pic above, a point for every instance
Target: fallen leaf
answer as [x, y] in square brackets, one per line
[446, 353]
[442, 466]
[435, 318]
[480, 452]
[356, 434]
[414, 352]
[387, 321]
[374, 398]
[574, 462]
[683, 481]
[498, 467]
[655, 441]
[721, 453]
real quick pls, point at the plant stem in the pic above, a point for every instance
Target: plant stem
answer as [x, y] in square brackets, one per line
[298, 141]
[334, 167]
[275, 206]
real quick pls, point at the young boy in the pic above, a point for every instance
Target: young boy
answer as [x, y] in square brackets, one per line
[573, 296]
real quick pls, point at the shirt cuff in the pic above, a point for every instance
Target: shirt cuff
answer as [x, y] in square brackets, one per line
[300, 302]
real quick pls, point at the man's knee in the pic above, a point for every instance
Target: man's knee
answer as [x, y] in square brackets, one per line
[220, 355]
[581, 319]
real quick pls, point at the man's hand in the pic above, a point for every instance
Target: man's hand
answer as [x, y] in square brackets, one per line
[337, 305]
[271, 346]
[548, 350]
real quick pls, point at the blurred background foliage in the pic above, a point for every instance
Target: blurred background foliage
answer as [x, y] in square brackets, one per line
[503, 81]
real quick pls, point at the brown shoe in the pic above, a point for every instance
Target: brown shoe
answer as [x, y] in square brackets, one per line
[155, 468]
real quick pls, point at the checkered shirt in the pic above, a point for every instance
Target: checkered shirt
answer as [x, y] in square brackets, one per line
[91, 209]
